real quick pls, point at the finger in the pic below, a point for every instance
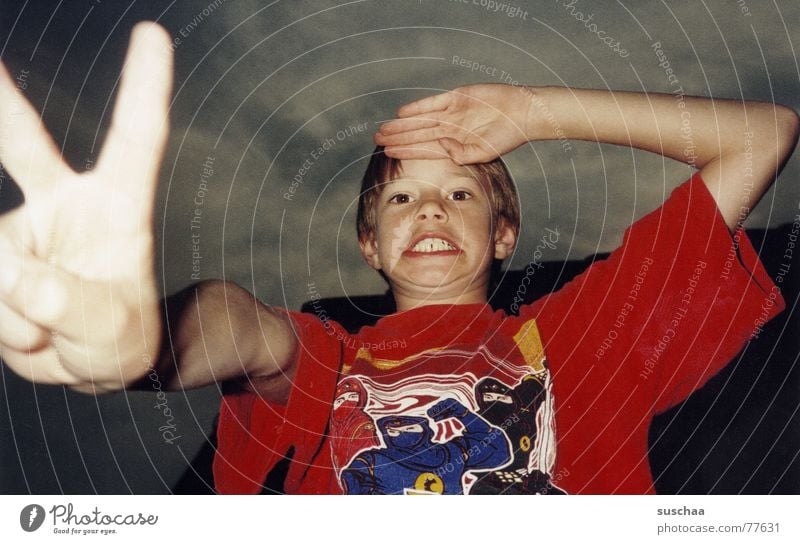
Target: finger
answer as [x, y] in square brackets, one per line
[41, 366]
[411, 123]
[55, 300]
[454, 149]
[26, 149]
[430, 104]
[95, 331]
[426, 150]
[18, 333]
[465, 154]
[408, 138]
[139, 124]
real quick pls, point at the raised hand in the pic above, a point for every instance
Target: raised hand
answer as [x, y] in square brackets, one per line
[447, 408]
[78, 299]
[471, 124]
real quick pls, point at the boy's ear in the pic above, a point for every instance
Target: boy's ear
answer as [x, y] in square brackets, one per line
[505, 239]
[369, 250]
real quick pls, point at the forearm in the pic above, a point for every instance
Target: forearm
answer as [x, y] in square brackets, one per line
[689, 129]
[739, 146]
[215, 332]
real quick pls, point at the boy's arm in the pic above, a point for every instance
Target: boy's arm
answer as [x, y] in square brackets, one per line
[216, 331]
[738, 145]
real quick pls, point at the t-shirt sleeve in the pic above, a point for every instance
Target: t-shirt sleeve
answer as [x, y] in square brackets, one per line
[669, 308]
[254, 434]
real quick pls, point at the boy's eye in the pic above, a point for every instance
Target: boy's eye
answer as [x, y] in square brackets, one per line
[400, 198]
[460, 195]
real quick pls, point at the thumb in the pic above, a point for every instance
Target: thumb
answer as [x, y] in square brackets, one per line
[52, 298]
[30, 290]
[454, 149]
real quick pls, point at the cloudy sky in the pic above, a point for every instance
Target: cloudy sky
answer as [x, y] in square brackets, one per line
[260, 86]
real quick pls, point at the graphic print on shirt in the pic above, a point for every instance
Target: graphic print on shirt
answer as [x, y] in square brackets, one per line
[445, 434]
[355, 429]
[517, 411]
[411, 461]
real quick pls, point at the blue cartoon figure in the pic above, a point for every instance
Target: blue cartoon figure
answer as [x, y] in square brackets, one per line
[411, 462]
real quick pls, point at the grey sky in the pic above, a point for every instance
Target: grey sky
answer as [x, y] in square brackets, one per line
[260, 86]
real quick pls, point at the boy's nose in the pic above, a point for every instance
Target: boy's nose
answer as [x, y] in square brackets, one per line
[431, 209]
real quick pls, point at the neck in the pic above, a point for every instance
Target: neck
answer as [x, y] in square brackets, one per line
[409, 301]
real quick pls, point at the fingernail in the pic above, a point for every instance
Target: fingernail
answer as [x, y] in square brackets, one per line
[9, 271]
[52, 299]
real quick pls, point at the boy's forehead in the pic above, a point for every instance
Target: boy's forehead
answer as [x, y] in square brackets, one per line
[432, 170]
[428, 179]
[428, 167]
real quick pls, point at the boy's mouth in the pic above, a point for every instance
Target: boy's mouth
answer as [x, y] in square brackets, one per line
[431, 244]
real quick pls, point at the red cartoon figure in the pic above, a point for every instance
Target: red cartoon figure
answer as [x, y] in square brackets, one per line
[352, 429]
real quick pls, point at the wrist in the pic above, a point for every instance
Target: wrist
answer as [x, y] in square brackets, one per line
[540, 124]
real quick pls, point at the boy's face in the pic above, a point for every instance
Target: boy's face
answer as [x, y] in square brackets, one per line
[435, 238]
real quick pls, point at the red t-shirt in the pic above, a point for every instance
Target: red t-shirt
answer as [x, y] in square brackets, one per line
[464, 399]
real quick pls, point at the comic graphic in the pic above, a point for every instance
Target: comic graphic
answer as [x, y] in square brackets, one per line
[401, 432]
[515, 410]
[411, 462]
[354, 428]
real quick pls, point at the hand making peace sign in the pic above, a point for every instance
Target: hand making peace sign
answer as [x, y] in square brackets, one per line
[78, 298]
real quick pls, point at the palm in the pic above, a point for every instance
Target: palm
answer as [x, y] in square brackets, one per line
[471, 124]
[91, 227]
[83, 306]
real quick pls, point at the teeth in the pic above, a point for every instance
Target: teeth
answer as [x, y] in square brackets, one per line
[429, 245]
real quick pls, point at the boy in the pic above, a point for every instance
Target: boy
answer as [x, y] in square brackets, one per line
[445, 396]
